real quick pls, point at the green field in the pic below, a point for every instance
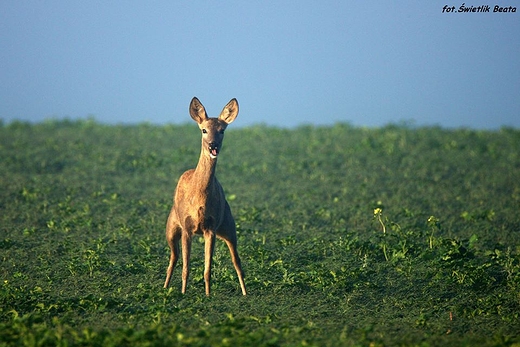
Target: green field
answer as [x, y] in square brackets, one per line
[348, 236]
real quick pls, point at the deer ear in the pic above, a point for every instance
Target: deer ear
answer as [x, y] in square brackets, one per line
[197, 111]
[230, 111]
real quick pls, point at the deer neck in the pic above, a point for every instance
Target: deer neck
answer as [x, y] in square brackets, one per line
[205, 171]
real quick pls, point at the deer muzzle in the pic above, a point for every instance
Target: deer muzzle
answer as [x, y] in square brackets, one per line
[213, 149]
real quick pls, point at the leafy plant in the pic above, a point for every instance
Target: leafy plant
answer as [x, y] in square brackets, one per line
[84, 207]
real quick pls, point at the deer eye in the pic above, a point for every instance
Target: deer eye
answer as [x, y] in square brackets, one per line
[222, 131]
[204, 131]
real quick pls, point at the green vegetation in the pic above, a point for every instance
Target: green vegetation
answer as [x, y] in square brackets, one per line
[348, 237]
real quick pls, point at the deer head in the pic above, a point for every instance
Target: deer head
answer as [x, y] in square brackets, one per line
[213, 128]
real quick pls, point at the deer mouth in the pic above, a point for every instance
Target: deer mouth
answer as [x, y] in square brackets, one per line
[213, 150]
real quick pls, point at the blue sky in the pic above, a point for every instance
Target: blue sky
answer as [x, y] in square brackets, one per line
[287, 62]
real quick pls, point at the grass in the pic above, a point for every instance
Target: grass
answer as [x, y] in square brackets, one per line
[349, 236]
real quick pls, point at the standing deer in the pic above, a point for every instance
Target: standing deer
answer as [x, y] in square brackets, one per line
[200, 206]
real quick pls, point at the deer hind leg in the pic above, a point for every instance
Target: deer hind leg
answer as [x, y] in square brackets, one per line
[173, 235]
[209, 248]
[232, 245]
[228, 233]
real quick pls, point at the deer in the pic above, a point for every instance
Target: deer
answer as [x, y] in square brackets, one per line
[199, 205]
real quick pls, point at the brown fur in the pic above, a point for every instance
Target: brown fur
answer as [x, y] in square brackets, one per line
[200, 206]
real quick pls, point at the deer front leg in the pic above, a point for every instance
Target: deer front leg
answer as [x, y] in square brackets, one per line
[186, 252]
[209, 247]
